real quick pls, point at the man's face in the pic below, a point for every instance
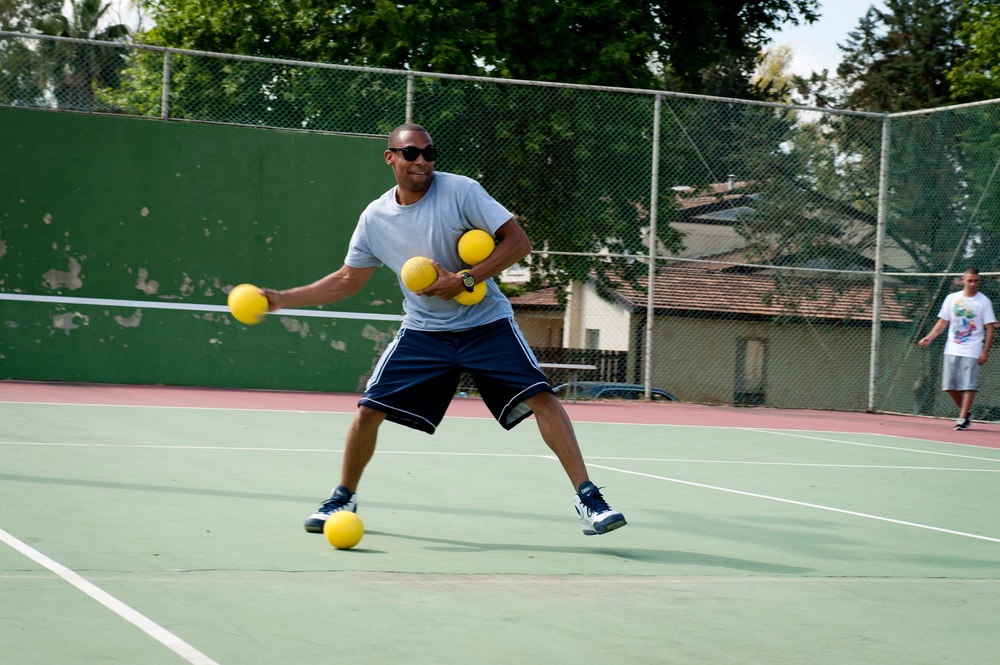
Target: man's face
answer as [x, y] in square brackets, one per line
[970, 284]
[414, 176]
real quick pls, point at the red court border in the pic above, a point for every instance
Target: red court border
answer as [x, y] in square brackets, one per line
[913, 427]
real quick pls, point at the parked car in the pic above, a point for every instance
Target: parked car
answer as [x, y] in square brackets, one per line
[609, 390]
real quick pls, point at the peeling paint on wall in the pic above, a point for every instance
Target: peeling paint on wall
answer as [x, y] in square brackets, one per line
[58, 279]
[3, 247]
[146, 285]
[218, 284]
[295, 326]
[380, 337]
[130, 322]
[64, 321]
[338, 345]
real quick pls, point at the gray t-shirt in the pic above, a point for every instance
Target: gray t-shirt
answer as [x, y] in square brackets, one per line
[390, 234]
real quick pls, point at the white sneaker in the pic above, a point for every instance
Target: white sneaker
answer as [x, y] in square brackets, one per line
[341, 499]
[596, 516]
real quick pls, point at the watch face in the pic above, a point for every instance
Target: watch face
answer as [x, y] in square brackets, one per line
[468, 281]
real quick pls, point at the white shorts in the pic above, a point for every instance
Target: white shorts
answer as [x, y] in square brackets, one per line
[960, 373]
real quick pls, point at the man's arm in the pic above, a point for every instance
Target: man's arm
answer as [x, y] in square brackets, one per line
[512, 246]
[984, 355]
[939, 327]
[336, 286]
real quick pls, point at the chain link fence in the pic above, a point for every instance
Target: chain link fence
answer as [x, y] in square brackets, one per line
[729, 252]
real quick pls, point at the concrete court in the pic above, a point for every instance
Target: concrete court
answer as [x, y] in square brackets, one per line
[745, 545]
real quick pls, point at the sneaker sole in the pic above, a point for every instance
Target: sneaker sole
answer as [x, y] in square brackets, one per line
[315, 525]
[611, 526]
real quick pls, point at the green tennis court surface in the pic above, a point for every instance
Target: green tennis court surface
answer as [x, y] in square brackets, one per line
[169, 535]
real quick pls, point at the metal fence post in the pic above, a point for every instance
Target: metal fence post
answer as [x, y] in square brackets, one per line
[883, 184]
[654, 194]
[409, 97]
[165, 95]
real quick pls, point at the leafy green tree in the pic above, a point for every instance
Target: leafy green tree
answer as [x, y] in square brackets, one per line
[19, 84]
[73, 70]
[17, 15]
[976, 73]
[899, 59]
[599, 42]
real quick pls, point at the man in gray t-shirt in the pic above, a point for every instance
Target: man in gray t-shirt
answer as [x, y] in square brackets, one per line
[413, 382]
[390, 233]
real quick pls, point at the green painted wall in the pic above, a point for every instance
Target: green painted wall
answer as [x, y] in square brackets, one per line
[174, 214]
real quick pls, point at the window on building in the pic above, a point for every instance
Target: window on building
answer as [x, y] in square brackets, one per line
[593, 339]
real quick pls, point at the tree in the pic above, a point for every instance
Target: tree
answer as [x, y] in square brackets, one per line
[599, 42]
[773, 75]
[73, 69]
[697, 36]
[19, 84]
[17, 15]
[976, 73]
[899, 59]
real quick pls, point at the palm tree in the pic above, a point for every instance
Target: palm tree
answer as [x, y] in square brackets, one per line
[73, 69]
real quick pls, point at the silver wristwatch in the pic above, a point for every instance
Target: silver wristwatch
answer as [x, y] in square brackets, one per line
[468, 281]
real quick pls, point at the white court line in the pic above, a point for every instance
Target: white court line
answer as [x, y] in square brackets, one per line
[798, 503]
[146, 625]
[175, 408]
[195, 307]
[260, 449]
[580, 421]
[875, 445]
[675, 460]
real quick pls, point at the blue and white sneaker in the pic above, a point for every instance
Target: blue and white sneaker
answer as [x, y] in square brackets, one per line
[341, 499]
[596, 515]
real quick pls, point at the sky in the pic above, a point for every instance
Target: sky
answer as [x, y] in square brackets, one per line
[814, 47]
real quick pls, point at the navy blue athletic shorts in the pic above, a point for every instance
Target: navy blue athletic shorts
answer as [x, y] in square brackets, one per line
[417, 375]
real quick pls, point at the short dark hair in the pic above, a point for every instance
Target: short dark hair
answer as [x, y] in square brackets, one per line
[971, 271]
[405, 127]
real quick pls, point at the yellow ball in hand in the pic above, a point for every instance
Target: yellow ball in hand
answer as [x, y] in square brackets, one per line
[474, 246]
[343, 529]
[247, 304]
[418, 273]
[466, 298]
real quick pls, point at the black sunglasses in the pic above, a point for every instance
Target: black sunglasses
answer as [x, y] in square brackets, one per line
[410, 153]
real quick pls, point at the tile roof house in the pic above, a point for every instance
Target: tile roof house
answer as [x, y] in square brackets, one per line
[725, 330]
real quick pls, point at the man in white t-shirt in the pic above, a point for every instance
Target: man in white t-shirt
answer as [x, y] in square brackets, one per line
[968, 316]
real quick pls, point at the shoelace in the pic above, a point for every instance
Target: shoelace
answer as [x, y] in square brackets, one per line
[595, 501]
[334, 502]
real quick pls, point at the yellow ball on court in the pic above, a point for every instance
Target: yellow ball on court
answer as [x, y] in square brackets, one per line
[466, 298]
[247, 304]
[474, 246]
[418, 273]
[343, 529]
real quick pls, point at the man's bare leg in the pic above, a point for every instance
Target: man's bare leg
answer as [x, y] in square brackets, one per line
[360, 445]
[557, 431]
